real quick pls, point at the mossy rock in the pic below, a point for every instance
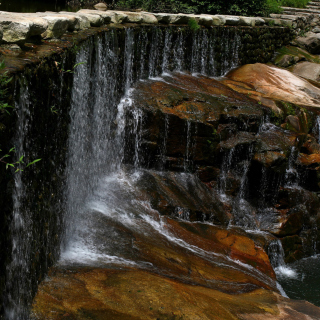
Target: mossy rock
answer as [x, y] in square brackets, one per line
[297, 55]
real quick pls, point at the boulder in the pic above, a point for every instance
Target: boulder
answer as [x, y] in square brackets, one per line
[310, 146]
[230, 20]
[134, 17]
[117, 16]
[149, 18]
[104, 15]
[206, 21]
[57, 26]
[15, 29]
[83, 21]
[179, 19]
[95, 19]
[307, 70]
[247, 21]
[277, 84]
[74, 23]
[259, 22]
[100, 6]
[311, 42]
[164, 18]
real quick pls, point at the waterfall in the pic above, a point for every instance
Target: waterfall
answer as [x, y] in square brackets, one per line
[100, 103]
[18, 270]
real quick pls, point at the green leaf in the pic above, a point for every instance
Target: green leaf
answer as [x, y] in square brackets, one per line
[33, 162]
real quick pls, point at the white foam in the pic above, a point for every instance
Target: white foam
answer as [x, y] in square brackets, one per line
[286, 272]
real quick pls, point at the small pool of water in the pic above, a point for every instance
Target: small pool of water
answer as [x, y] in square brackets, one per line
[33, 5]
[303, 280]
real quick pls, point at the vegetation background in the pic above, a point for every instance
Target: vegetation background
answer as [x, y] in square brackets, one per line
[232, 7]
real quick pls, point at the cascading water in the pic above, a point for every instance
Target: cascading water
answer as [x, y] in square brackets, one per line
[101, 193]
[18, 271]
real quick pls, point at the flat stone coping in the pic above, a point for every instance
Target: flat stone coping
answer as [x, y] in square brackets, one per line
[21, 27]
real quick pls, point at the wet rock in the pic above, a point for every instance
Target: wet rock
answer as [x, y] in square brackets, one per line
[169, 194]
[310, 146]
[309, 170]
[134, 294]
[308, 160]
[292, 123]
[292, 221]
[241, 140]
[272, 159]
[293, 248]
[307, 70]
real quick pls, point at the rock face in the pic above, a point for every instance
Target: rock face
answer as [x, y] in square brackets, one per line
[277, 84]
[90, 294]
[202, 126]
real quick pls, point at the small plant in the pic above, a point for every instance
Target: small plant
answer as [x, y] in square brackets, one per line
[214, 136]
[68, 71]
[271, 23]
[54, 110]
[18, 164]
[193, 25]
[4, 80]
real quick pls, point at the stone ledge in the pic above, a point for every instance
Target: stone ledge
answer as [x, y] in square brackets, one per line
[20, 27]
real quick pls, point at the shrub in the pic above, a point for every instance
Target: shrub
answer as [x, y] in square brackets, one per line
[232, 7]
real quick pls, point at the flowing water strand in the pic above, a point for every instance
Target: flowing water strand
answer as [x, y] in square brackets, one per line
[178, 52]
[154, 52]
[225, 168]
[128, 56]
[166, 50]
[18, 279]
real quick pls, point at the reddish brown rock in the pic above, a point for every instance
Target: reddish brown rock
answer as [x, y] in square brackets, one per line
[277, 84]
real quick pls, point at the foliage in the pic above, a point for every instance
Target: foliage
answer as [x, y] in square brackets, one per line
[19, 164]
[69, 71]
[193, 25]
[232, 7]
[294, 3]
[4, 80]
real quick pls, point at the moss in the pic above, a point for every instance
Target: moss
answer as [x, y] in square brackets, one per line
[295, 52]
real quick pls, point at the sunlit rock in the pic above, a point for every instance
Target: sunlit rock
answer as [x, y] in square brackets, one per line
[84, 22]
[277, 84]
[100, 6]
[105, 15]
[57, 26]
[307, 70]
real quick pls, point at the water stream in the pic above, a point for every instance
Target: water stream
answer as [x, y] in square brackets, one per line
[103, 196]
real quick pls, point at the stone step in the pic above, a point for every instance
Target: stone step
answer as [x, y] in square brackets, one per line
[294, 10]
[313, 7]
[314, 3]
